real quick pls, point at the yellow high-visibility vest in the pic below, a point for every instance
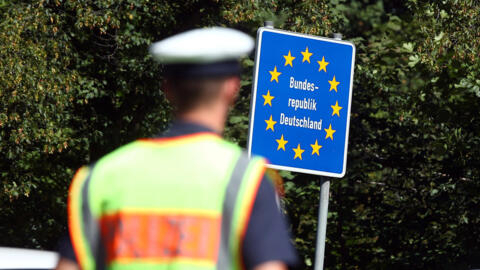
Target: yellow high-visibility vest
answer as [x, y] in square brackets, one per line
[168, 203]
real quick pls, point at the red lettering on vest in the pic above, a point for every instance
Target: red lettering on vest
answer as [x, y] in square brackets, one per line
[160, 237]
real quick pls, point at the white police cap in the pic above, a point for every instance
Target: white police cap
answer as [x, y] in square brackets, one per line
[205, 45]
[203, 52]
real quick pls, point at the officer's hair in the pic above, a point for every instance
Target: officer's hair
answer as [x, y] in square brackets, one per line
[190, 93]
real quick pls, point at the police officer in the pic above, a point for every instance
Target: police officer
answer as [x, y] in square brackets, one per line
[186, 199]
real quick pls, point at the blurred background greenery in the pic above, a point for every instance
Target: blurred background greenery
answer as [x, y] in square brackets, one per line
[76, 81]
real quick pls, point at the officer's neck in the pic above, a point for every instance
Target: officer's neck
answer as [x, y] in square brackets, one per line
[212, 116]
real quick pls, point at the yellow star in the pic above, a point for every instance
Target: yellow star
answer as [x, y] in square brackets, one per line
[281, 143]
[274, 74]
[315, 148]
[330, 132]
[268, 99]
[323, 64]
[298, 152]
[270, 123]
[336, 109]
[306, 55]
[333, 84]
[288, 59]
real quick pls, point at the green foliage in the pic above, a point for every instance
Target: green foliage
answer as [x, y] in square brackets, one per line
[410, 196]
[36, 88]
[77, 81]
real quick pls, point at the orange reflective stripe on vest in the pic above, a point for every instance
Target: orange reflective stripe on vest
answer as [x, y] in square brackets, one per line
[160, 237]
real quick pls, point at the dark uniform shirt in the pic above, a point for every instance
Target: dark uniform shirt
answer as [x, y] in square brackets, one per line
[266, 238]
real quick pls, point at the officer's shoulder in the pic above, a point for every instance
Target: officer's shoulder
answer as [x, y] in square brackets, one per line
[235, 147]
[231, 146]
[122, 154]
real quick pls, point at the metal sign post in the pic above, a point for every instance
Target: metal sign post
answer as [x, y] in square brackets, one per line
[322, 223]
[323, 212]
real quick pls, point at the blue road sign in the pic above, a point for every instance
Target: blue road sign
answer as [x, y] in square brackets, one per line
[301, 100]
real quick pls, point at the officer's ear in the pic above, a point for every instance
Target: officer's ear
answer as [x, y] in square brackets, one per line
[231, 87]
[168, 91]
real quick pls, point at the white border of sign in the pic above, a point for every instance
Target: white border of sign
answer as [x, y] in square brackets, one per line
[254, 97]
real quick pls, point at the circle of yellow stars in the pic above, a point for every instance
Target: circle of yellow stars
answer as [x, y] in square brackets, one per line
[268, 98]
